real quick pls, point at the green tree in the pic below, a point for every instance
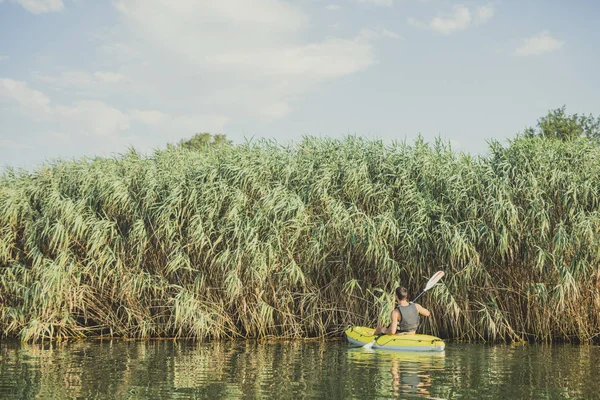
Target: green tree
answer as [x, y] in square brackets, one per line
[201, 140]
[560, 125]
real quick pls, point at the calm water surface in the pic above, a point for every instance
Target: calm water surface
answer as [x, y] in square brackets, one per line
[293, 370]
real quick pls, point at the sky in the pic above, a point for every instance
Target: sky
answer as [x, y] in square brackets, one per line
[96, 77]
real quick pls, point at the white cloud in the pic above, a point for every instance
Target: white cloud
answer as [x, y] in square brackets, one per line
[29, 100]
[109, 77]
[459, 19]
[40, 6]
[416, 23]
[329, 59]
[258, 35]
[148, 117]
[172, 68]
[378, 2]
[99, 119]
[248, 55]
[262, 15]
[83, 79]
[86, 127]
[484, 13]
[333, 7]
[369, 34]
[119, 51]
[84, 117]
[190, 123]
[390, 34]
[3, 57]
[541, 43]
[92, 117]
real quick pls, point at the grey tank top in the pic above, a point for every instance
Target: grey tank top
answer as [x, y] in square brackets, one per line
[410, 318]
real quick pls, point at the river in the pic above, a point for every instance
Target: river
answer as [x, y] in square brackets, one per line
[166, 369]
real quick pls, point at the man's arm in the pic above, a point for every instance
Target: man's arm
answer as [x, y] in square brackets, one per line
[422, 310]
[390, 330]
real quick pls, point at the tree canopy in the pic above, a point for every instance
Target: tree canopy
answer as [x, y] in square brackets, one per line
[560, 125]
[201, 140]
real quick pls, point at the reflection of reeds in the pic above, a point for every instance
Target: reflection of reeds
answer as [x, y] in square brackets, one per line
[290, 369]
[264, 241]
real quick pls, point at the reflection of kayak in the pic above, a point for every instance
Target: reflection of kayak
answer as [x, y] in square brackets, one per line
[431, 360]
[359, 336]
[427, 357]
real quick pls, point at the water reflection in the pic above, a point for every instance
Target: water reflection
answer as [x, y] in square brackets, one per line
[246, 369]
[410, 373]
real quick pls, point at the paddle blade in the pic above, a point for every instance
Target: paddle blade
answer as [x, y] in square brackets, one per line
[369, 345]
[434, 279]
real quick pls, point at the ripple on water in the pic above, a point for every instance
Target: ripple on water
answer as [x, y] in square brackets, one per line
[248, 369]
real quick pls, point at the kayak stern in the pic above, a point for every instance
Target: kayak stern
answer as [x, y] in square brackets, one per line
[360, 336]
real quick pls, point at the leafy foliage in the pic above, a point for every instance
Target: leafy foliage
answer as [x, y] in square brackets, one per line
[259, 240]
[557, 124]
[201, 140]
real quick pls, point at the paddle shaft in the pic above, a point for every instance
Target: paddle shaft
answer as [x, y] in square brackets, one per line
[415, 299]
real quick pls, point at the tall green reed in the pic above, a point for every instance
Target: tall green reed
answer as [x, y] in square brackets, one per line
[260, 240]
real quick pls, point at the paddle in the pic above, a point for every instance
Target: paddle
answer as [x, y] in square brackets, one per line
[432, 281]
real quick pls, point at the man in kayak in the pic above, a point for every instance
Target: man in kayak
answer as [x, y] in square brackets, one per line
[405, 317]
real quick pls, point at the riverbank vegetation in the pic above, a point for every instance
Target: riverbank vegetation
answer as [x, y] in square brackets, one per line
[260, 240]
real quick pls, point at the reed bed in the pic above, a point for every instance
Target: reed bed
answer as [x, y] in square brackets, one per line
[260, 240]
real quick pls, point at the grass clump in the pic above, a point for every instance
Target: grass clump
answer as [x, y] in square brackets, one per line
[260, 240]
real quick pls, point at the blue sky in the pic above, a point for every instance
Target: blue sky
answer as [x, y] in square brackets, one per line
[83, 77]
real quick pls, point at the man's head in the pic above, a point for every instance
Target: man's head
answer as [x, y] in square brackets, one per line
[401, 293]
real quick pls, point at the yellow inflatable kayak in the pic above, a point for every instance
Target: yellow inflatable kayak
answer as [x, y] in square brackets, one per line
[359, 336]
